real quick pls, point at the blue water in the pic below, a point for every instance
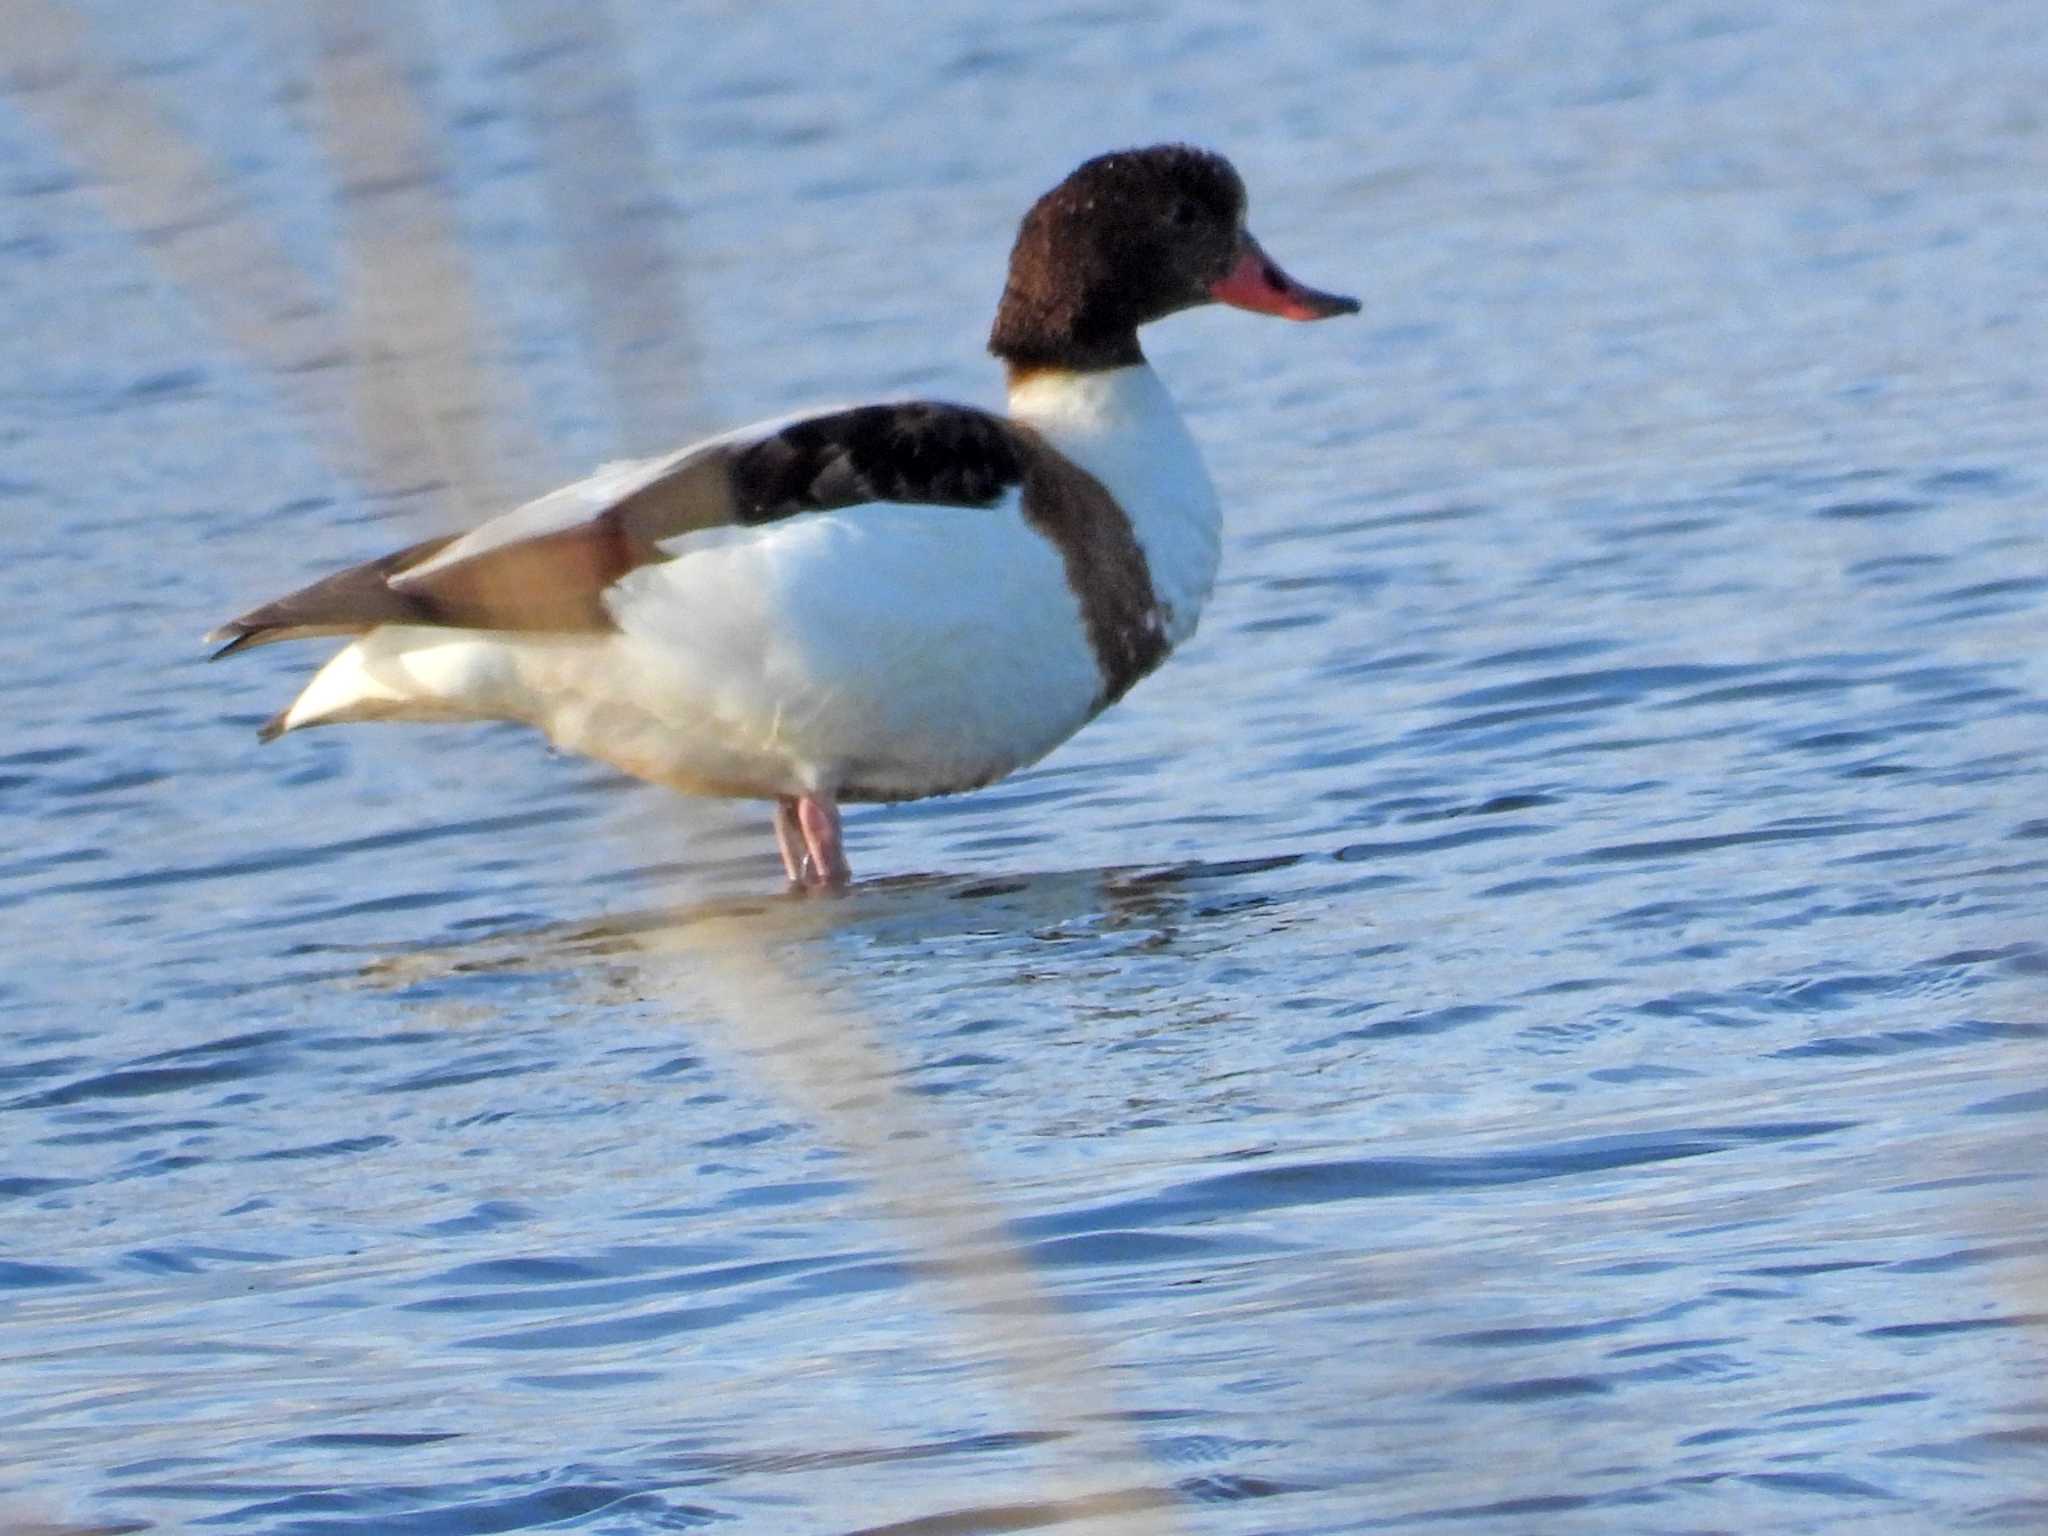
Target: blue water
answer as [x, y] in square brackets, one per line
[1533, 1022]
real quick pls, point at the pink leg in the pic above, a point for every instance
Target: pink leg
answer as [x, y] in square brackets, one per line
[825, 864]
[789, 837]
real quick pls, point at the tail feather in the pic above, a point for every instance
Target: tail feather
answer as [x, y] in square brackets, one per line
[350, 602]
[242, 635]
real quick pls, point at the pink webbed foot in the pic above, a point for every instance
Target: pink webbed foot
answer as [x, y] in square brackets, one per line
[807, 831]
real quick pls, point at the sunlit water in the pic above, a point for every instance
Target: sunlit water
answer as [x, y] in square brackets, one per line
[1533, 1022]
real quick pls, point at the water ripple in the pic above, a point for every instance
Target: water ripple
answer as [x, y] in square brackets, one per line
[1532, 1020]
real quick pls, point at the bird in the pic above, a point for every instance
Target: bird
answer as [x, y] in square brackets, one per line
[867, 603]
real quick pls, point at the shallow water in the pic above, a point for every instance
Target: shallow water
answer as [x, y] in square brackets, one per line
[1532, 1022]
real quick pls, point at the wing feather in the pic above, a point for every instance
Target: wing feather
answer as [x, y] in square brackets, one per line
[547, 565]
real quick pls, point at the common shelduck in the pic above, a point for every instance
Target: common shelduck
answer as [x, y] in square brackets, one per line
[867, 603]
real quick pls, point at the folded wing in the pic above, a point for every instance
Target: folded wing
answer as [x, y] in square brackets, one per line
[547, 565]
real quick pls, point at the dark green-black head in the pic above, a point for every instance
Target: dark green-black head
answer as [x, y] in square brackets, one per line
[1130, 238]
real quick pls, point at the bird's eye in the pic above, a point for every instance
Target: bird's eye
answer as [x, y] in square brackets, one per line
[1183, 213]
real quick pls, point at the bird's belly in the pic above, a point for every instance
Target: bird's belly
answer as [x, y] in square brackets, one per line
[854, 738]
[838, 658]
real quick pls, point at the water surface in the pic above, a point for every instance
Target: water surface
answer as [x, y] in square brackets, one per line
[1532, 1022]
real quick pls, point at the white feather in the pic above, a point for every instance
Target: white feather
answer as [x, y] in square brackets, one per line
[1123, 428]
[884, 650]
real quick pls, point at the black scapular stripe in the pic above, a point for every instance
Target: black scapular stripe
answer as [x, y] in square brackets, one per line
[920, 452]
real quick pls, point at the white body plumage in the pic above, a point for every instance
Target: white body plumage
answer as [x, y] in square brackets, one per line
[881, 651]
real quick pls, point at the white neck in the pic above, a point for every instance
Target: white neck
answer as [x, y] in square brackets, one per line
[1121, 426]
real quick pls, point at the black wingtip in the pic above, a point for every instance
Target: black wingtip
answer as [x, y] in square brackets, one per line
[272, 728]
